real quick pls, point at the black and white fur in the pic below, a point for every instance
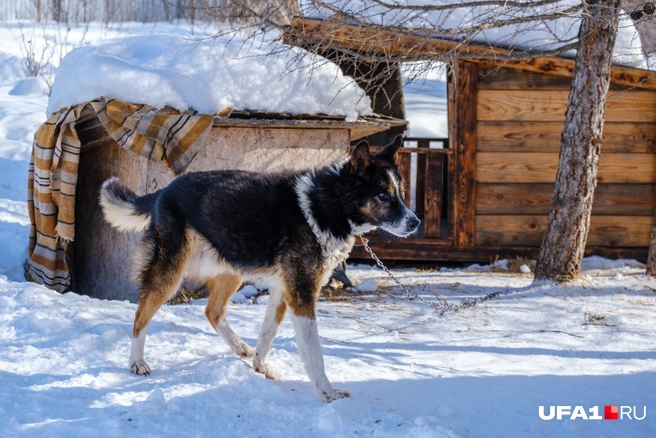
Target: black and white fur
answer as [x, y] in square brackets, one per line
[287, 230]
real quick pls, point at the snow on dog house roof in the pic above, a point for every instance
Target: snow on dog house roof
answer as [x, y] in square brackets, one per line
[249, 79]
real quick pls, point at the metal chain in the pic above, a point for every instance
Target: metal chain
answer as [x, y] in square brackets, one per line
[441, 306]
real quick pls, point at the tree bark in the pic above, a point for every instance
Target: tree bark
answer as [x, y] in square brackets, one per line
[561, 252]
[56, 10]
[651, 258]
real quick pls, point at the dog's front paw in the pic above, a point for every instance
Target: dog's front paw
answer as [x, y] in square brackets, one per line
[334, 394]
[245, 350]
[140, 368]
[263, 368]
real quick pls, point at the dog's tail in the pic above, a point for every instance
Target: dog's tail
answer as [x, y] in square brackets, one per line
[123, 209]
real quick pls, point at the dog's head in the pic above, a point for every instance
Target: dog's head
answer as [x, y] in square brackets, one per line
[376, 191]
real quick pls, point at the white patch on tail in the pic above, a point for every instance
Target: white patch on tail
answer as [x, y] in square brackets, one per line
[120, 214]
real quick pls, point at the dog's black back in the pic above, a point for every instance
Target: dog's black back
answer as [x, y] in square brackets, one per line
[250, 218]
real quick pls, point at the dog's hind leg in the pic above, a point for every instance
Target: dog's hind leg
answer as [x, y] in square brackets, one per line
[160, 266]
[275, 313]
[222, 287]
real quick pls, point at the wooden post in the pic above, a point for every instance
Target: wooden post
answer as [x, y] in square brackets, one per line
[433, 196]
[462, 115]
[404, 169]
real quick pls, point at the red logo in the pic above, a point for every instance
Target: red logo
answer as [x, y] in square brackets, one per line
[610, 413]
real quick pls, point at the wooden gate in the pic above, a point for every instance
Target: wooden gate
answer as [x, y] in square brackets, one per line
[427, 166]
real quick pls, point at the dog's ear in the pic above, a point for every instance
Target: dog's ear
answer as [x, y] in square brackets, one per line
[389, 152]
[360, 157]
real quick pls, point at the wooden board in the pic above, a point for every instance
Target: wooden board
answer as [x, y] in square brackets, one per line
[363, 127]
[500, 78]
[545, 137]
[606, 231]
[537, 167]
[504, 78]
[403, 249]
[464, 141]
[433, 191]
[534, 105]
[404, 169]
[535, 199]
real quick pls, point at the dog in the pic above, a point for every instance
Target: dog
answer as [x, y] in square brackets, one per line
[287, 230]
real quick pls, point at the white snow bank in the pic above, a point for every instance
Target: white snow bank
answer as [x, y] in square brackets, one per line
[208, 76]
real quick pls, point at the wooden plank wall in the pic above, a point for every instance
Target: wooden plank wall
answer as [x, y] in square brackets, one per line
[520, 117]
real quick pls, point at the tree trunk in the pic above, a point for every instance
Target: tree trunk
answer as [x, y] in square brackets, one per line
[56, 10]
[561, 252]
[651, 259]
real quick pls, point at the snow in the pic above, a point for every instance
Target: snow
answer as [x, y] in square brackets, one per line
[482, 372]
[367, 285]
[410, 372]
[209, 76]
[249, 291]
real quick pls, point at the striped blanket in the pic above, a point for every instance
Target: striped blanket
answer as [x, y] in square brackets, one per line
[52, 177]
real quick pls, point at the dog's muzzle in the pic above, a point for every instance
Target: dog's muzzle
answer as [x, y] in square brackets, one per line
[404, 228]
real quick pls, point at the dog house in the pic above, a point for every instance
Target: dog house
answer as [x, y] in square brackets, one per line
[485, 191]
[245, 140]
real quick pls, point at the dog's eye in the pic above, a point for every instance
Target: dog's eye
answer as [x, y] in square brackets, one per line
[383, 196]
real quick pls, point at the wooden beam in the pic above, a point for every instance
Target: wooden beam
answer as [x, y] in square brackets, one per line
[418, 252]
[381, 41]
[464, 144]
[364, 127]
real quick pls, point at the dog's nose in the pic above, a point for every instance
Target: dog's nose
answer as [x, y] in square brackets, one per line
[413, 223]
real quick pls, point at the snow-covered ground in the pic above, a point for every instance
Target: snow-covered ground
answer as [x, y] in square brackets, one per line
[410, 372]
[481, 373]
